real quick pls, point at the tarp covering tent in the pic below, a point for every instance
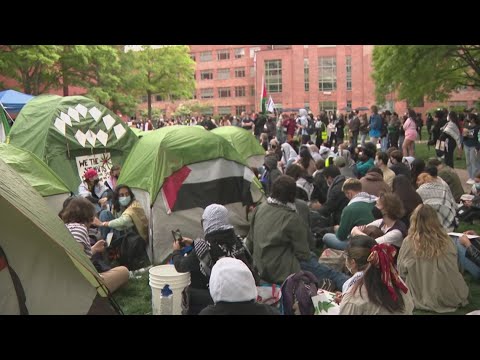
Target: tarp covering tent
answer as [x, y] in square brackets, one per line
[72, 134]
[54, 273]
[13, 100]
[177, 171]
[37, 174]
[4, 125]
[244, 142]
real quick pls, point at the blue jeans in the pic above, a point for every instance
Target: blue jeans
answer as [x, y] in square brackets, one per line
[473, 161]
[363, 137]
[322, 271]
[465, 263]
[106, 215]
[384, 144]
[332, 242]
[401, 138]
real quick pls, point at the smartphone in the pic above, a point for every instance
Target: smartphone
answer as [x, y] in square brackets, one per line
[177, 235]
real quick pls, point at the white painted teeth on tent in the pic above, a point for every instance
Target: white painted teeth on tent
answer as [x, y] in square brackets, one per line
[91, 137]
[81, 137]
[60, 126]
[248, 174]
[73, 114]
[82, 110]
[102, 136]
[95, 113]
[66, 118]
[119, 131]
[109, 121]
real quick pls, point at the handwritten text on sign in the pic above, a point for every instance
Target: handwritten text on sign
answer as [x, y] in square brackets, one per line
[102, 163]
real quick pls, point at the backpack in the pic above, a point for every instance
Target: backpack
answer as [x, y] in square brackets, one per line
[130, 251]
[297, 292]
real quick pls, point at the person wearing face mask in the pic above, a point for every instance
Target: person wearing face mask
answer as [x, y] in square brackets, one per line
[111, 182]
[378, 288]
[127, 214]
[93, 190]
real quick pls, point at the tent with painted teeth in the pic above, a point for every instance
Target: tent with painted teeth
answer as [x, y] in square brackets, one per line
[244, 142]
[43, 270]
[72, 134]
[177, 171]
[37, 174]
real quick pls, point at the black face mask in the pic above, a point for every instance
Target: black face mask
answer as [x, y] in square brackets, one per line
[95, 182]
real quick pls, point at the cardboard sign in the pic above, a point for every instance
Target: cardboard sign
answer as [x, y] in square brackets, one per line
[102, 163]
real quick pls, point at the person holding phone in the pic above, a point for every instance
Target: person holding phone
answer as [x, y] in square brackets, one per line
[219, 241]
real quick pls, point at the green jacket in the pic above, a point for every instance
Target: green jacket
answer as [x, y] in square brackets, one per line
[278, 242]
[454, 183]
[357, 212]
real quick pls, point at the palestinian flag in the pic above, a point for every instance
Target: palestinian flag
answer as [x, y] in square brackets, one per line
[263, 99]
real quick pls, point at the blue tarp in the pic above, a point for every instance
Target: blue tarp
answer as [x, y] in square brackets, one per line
[14, 100]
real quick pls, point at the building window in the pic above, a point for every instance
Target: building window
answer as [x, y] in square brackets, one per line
[206, 93]
[208, 111]
[224, 110]
[348, 63]
[239, 53]
[206, 75]
[252, 71]
[223, 54]
[273, 76]
[328, 106]
[327, 73]
[306, 106]
[349, 104]
[252, 90]
[240, 72]
[205, 56]
[240, 91]
[224, 92]
[223, 74]
[253, 50]
[193, 57]
[306, 74]
[239, 109]
[279, 107]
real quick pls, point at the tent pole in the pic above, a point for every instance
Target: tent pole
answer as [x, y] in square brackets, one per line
[6, 112]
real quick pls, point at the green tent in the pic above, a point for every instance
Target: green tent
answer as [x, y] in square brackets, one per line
[177, 171]
[37, 174]
[4, 125]
[54, 273]
[244, 142]
[138, 132]
[71, 134]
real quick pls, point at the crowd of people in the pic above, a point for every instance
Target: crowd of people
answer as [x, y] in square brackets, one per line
[386, 213]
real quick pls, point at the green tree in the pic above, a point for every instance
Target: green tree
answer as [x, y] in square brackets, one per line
[34, 67]
[167, 71]
[417, 71]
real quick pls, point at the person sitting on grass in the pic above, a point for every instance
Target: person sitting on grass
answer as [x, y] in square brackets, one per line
[428, 263]
[469, 253]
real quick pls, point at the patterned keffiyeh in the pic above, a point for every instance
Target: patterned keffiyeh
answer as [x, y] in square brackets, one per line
[382, 257]
[289, 206]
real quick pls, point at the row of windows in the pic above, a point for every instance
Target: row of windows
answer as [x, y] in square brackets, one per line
[224, 74]
[227, 110]
[224, 54]
[327, 74]
[223, 92]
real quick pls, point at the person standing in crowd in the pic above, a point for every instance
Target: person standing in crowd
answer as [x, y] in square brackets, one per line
[380, 290]
[302, 124]
[450, 137]
[354, 127]
[339, 130]
[247, 122]
[428, 262]
[472, 147]
[410, 127]
[393, 130]
[363, 128]
[375, 124]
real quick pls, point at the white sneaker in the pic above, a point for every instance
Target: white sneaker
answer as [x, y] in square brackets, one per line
[470, 181]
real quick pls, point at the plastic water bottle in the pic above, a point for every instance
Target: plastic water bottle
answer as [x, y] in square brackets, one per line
[166, 301]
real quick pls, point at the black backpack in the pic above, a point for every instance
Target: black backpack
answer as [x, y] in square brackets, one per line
[130, 251]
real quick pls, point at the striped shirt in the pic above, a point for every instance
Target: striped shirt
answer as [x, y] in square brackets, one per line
[80, 233]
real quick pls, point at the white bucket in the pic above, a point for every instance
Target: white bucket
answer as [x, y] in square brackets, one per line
[166, 274]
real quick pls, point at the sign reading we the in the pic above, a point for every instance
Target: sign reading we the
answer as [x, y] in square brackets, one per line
[102, 163]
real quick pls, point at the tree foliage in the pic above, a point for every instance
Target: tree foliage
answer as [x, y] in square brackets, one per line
[417, 71]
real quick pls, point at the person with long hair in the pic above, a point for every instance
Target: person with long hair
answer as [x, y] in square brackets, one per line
[450, 136]
[405, 191]
[393, 229]
[379, 290]
[306, 161]
[127, 214]
[410, 127]
[428, 263]
[417, 167]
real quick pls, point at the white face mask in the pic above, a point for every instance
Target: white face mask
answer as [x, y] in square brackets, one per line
[124, 201]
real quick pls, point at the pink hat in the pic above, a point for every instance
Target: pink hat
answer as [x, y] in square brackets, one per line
[90, 174]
